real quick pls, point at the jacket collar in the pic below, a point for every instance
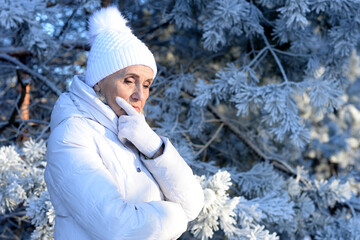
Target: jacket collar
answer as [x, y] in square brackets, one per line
[90, 106]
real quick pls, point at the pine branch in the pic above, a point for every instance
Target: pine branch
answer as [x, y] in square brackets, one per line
[33, 121]
[210, 141]
[259, 55]
[22, 51]
[65, 26]
[15, 51]
[20, 213]
[42, 133]
[276, 162]
[275, 57]
[81, 44]
[31, 72]
[292, 54]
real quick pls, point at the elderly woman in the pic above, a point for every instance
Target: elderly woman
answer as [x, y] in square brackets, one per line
[109, 175]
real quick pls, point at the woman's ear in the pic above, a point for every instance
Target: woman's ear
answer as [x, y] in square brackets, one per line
[97, 87]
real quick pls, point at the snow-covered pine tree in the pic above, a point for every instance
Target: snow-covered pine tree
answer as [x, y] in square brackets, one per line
[261, 97]
[268, 96]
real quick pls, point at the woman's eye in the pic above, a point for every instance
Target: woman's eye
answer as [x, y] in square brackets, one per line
[128, 81]
[146, 86]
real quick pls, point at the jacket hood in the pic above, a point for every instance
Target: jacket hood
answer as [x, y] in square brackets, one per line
[82, 101]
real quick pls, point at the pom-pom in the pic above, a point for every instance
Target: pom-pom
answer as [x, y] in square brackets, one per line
[106, 19]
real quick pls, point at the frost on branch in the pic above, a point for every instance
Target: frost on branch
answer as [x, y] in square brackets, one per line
[42, 215]
[218, 210]
[22, 183]
[331, 192]
[12, 178]
[282, 78]
[260, 180]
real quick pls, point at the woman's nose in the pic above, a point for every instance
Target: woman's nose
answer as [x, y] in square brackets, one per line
[138, 94]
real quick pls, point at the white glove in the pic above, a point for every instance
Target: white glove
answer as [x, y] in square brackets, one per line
[134, 128]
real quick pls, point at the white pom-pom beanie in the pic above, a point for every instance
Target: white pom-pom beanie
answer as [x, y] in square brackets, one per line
[113, 46]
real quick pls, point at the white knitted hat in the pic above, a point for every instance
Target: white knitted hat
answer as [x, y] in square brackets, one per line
[113, 46]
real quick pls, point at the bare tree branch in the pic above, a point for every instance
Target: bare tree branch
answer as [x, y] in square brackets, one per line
[65, 26]
[15, 51]
[275, 57]
[22, 51]
[25, 68]
[211, 140]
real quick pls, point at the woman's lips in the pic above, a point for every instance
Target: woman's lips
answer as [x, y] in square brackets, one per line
[136, 108]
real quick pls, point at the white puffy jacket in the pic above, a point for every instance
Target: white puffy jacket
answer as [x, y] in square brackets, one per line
[104, 189]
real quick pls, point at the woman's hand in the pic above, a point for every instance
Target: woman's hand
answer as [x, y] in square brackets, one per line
[134, 128]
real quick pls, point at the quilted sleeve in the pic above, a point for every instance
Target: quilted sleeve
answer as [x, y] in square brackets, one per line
[176, 180]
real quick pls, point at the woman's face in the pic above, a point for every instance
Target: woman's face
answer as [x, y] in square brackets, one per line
[131, 83]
